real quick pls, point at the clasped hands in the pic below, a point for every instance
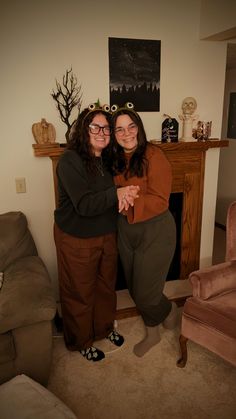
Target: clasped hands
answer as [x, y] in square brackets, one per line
[126, 196]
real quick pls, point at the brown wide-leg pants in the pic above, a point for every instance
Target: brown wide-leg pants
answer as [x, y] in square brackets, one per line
[87, 270]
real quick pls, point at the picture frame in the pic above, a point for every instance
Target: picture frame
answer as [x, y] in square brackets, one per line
[134, 73]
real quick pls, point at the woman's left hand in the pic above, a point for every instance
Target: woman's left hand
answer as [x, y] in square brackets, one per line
[127, 196]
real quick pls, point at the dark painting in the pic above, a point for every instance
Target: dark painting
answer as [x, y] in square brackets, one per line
[231, 133]
[134, 71]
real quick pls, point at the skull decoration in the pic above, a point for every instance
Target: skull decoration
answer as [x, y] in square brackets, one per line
[189, 105]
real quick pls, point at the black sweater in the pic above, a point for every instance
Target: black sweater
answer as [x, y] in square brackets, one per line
[88, 204]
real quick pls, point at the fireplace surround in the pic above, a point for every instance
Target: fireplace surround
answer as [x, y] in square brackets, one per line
[188, 166]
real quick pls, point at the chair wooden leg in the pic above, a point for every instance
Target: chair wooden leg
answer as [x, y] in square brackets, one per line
[183, 348]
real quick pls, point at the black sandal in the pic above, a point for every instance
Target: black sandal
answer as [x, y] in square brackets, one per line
[115, 338]
[92, 354]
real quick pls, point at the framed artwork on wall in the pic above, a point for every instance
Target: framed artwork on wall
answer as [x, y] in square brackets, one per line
[134, 73]
[231, 132]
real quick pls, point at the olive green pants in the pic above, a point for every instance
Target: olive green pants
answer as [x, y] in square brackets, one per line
[146, 251]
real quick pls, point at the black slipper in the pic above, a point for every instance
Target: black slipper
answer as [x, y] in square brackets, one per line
[92, 354]
[115, 338]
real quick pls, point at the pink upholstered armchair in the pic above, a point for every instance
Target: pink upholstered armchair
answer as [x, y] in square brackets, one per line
[209, 316]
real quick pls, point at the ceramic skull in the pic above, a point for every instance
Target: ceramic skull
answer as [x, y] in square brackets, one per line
[189, 105]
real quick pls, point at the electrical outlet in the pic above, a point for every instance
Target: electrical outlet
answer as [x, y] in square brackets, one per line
[20, 185]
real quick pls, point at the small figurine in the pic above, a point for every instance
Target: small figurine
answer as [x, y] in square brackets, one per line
[44, 132]
[189, 106]
[203, 130]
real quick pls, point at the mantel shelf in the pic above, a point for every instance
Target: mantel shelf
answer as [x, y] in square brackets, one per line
[192, 145]
[56, 149]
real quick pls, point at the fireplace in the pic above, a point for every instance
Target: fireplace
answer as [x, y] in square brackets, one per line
[188, 165]
[176, 208]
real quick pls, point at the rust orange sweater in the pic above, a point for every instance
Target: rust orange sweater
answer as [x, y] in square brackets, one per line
[155, 186]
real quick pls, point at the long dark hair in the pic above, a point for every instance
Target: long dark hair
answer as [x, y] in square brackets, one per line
[138, 163]
[80, 140]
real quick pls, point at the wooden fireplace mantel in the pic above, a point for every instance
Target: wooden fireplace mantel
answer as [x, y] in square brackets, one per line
[188, 166]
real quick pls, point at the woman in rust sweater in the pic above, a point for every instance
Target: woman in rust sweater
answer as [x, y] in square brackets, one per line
[146, 231]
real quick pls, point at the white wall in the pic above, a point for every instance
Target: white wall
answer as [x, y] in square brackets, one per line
[226, 192]
[43, 39]
[218, 17]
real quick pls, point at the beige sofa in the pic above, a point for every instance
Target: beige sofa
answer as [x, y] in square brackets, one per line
[23, 398]
[27, 304]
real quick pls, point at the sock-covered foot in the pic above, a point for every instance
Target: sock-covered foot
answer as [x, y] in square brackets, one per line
[92, 354]
[115, 338]
[151, 339]
[171, 320]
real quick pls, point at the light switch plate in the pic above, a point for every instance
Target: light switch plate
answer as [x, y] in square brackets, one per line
[20, 185]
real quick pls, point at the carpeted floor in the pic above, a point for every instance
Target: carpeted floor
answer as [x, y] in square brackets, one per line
[123, 386]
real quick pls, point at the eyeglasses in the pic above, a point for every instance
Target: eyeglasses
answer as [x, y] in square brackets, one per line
[95, 129]
[132, 129]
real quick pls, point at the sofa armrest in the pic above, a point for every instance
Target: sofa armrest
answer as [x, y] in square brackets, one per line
[16, 240]
[26, 296]
[215, 280]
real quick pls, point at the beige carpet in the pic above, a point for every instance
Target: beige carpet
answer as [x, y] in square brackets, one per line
[123, 386]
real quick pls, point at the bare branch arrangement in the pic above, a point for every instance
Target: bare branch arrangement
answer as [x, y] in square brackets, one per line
[67, 96]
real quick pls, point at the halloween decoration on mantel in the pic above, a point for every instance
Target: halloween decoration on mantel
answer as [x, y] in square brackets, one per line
[169, 130]
[203, 130]
[189, 106]
[44, 132]
[67, 96]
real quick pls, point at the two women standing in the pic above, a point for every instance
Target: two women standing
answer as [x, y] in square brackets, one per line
[86, 224]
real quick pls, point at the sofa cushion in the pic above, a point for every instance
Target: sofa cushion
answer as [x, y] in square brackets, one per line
[15, 238]
[7, 348]
[26, 296]
[1, 279]
[23, 398]
[218, 313]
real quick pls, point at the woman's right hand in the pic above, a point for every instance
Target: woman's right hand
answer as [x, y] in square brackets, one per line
[126, 196]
